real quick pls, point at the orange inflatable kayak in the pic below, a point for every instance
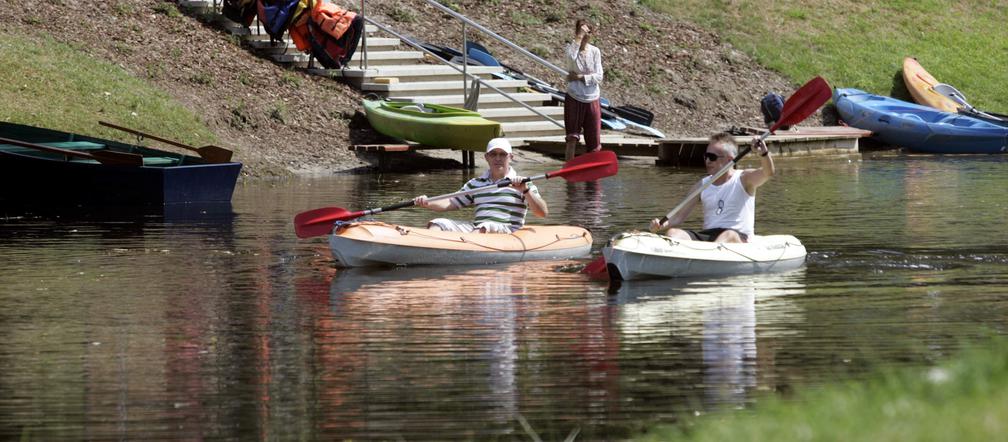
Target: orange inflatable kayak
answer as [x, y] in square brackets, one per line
[379, 244]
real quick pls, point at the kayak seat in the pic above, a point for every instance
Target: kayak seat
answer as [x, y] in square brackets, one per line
[417, 108]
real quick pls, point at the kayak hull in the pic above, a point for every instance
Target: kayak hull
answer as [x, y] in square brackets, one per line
[442, 127]
[643, 255]
[920, 84]
[366, 244]
[919, 128]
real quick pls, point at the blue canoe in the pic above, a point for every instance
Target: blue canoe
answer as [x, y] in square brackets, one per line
[919, 128]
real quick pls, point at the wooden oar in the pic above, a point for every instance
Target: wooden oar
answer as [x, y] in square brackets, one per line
[804, 102]
[587, 167]
[107, 157]
[211, 153]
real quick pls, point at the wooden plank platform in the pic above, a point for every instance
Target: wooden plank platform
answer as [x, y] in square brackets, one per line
[621, 144]
[800, 142]
[468, 156]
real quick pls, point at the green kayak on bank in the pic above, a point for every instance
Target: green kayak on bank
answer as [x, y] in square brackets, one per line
[432, 124]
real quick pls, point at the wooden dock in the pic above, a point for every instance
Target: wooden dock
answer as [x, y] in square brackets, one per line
[678, 152]
[621, 144]
[688, 151]
[382, 150]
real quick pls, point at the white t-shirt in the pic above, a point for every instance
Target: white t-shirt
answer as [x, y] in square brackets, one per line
[729, 206]
[588, 63]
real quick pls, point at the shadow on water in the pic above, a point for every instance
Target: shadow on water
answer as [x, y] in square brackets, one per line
[53, 223]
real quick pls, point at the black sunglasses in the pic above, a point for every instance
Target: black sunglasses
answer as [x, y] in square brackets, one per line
[711, 157]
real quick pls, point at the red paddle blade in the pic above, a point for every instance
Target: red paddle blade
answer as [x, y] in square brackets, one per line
[318, 222]
[804, 102]
[589, 167]
[597, 269]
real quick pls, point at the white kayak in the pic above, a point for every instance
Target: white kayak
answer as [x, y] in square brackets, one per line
[379, 244]
[643, 255]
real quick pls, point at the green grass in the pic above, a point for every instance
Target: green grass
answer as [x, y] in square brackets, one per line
[862, 44]
[53, 85]
[962, 400]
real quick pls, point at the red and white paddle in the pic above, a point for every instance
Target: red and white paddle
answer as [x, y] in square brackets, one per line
[587, 167]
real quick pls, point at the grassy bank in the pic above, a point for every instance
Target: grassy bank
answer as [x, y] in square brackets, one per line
[862, 43]
[53, 85]
[962, 400]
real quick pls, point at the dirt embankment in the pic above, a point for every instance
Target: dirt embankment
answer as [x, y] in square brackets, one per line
[281, 121]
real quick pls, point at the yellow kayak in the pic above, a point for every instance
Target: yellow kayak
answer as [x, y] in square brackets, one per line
[379, 244]
[921, 86]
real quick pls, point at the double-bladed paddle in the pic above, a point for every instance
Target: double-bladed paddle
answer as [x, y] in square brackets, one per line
[211, 153]
[587, 167]
[106, 157]
[804, 102]
[953, 94]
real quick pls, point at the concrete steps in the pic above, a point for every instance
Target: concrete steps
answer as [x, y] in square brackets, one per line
[406, 73]
[486, 101]
[416, 76]
[375, 58]
[453, 87]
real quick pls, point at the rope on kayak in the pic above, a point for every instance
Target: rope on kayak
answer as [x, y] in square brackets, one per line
[782, 249]
[723, 246]
[496, 249]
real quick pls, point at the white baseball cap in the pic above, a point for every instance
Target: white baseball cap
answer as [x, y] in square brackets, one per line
[499, 143]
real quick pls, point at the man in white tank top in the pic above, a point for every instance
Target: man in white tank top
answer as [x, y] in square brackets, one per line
[729, 203]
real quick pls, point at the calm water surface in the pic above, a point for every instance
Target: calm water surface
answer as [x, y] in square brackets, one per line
[188, 326]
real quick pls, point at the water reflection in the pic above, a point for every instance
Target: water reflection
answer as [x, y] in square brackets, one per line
[723, 317]
[586, 204]
[152, 327]
[467, 348]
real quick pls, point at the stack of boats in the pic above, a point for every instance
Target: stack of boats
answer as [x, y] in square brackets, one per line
[942, 123]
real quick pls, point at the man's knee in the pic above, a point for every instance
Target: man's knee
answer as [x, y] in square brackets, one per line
[729, 236]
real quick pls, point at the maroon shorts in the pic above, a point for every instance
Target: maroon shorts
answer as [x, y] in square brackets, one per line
[583, 117]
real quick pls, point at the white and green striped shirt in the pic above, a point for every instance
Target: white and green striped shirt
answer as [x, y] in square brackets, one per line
[505, 205]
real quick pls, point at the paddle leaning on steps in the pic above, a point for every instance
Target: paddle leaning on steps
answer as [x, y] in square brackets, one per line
[804, 102]
[587, 167]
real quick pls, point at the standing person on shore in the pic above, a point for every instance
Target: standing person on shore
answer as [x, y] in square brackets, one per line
[582, 110]
[729, 204]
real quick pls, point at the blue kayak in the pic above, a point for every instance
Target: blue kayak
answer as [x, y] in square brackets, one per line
[918, 128]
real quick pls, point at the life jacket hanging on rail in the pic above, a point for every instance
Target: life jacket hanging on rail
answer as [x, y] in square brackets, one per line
[330, 34]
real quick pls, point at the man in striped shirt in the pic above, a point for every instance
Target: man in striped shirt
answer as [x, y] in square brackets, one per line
[498, 209]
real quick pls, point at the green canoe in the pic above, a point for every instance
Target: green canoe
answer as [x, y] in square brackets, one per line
[431, 124]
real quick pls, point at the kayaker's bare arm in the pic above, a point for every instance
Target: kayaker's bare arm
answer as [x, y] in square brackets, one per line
[437, 206]
[535, 201]
[753, 178]
[680, 217]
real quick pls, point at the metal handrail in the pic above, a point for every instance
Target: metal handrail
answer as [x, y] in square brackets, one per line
[462, 70]
[507, 42]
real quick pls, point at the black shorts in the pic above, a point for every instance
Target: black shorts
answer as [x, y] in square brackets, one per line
[710, 235]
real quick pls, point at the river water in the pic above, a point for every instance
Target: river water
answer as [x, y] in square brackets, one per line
[224, 325]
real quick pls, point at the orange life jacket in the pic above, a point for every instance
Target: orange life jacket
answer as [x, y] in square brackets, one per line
[327, 17]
